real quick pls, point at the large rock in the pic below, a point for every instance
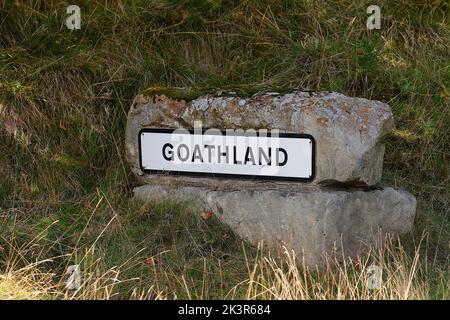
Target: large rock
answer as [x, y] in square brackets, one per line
[314, 221]
[336, 213]
[348, 131]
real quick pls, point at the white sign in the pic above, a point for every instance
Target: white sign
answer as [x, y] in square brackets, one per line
[216, 153]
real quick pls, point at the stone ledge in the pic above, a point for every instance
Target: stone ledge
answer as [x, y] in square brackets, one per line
[234, 184]
[313, 220]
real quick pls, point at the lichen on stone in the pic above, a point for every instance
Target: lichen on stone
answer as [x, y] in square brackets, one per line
[237, 90]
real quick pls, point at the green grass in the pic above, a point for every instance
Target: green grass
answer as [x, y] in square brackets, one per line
[64, 96]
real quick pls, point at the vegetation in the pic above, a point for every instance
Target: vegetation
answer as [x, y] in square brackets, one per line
[65, 187]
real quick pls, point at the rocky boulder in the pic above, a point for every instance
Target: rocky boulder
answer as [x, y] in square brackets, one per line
[348, 131]
[342, 210]
[313, 221]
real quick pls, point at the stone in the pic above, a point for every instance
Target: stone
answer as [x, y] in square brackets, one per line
[342, 211]
[349, 131]
[314, 221]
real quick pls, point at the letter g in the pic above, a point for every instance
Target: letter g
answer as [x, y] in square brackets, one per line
[167, 154]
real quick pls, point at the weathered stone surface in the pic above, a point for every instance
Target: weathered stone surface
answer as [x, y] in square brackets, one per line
[311, 220]
[348, 131]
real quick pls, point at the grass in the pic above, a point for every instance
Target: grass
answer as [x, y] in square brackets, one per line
[65, 187]
[403, 276]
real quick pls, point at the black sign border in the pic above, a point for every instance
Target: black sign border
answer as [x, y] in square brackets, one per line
[229, 175]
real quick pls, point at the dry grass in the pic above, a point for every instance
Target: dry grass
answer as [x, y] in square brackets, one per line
[284, 277]
[402, 277]
[27, 283]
